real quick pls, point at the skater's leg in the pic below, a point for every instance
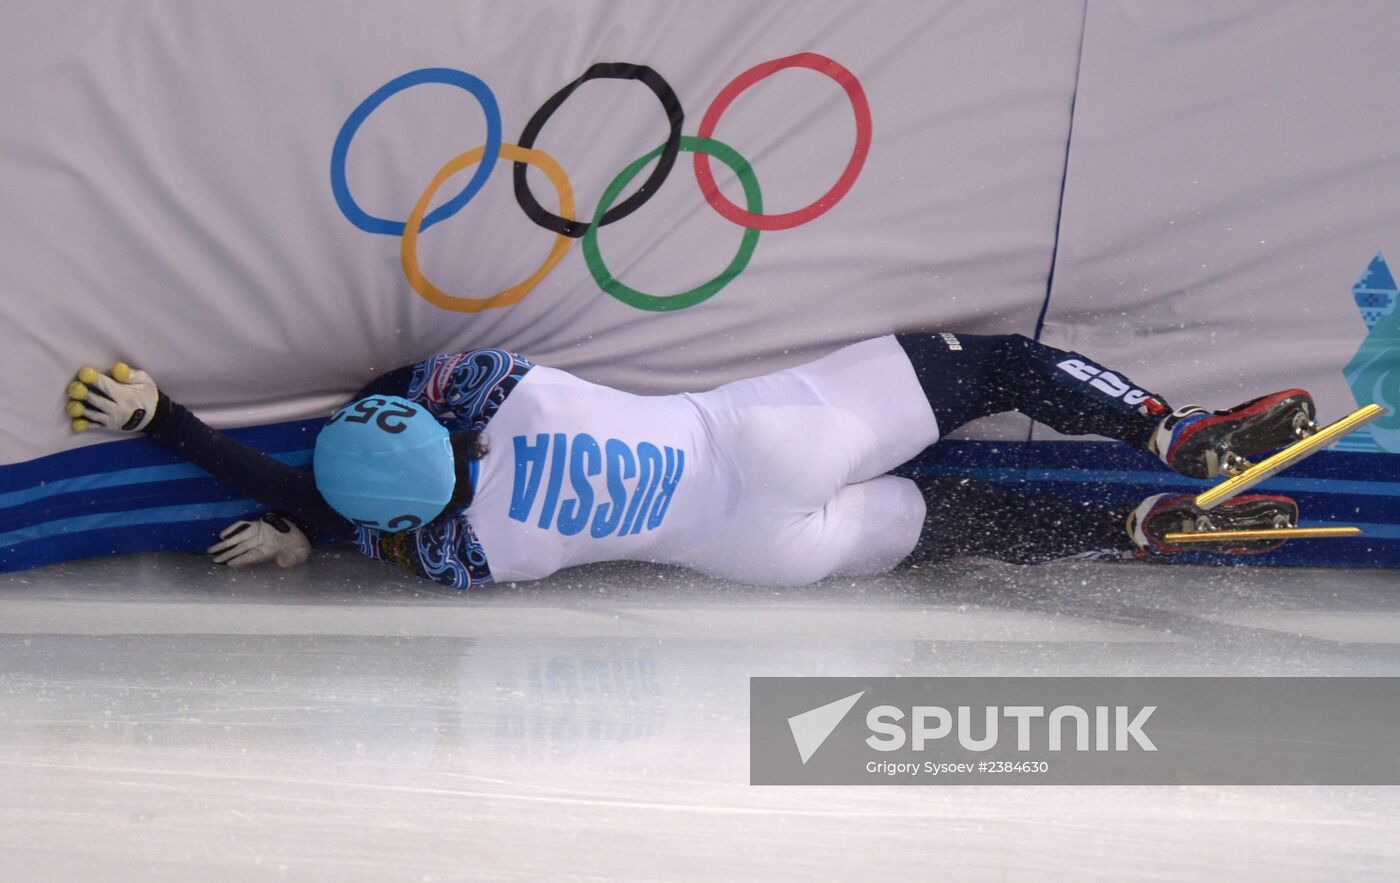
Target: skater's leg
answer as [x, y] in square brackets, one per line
[967, 376]
[808, 431]
[1022, 525]
[865, 528]
[869, 527]
[967, 517]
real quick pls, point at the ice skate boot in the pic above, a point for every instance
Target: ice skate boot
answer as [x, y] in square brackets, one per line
[1166, 524]
[1203, 444]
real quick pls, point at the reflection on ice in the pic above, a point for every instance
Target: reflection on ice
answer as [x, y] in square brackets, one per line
[164, 719]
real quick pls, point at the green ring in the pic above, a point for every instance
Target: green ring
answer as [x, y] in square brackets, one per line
[593, 256]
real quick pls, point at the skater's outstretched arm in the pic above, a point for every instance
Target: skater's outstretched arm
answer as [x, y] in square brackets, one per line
[271, 482]
[462, 390]
[129, 401]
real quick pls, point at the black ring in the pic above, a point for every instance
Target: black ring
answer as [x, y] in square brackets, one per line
[611, 71]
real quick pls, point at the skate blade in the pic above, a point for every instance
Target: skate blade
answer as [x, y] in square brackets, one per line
[1299, 450]
[1276, 533]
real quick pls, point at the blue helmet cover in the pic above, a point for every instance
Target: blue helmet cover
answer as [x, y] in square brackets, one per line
[385, 462]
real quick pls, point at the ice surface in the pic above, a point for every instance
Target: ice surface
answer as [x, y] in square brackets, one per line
[163, 719]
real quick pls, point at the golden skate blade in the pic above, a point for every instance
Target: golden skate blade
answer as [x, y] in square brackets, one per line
[1277, 533]
[1290, 455]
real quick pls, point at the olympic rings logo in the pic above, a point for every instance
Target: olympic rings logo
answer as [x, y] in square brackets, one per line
[563, 222]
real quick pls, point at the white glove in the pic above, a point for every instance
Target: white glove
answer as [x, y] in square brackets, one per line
[271, 537]
[124, 402]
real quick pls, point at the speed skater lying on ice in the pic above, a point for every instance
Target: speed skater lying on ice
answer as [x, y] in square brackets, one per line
[481, 466]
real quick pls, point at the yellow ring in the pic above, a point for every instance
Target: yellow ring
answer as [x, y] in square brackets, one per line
[408, 248]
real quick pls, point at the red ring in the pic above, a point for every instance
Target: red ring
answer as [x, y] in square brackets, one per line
[812, 61]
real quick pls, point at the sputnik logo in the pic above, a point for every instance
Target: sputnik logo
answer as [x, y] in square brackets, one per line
[811, 728]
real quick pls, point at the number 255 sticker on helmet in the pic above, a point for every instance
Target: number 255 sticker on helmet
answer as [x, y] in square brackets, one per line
[385, 462]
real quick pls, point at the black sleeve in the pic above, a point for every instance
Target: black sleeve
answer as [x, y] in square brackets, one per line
[264, 478]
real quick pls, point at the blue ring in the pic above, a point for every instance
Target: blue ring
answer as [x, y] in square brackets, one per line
[447, 76]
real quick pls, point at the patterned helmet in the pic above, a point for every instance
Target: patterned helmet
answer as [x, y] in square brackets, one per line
[385, 462]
